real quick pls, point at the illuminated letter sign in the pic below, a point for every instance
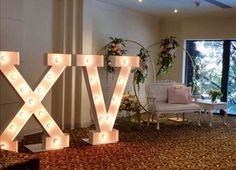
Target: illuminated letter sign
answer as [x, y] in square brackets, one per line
[33, 106]
[104, 120]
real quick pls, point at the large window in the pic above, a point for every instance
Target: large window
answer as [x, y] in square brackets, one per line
[216, 68]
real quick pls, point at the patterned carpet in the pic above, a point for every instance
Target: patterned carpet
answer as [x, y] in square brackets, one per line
[175, 146]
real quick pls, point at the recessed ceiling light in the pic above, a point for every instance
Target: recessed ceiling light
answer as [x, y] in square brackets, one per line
[140, 0]
[176, 10]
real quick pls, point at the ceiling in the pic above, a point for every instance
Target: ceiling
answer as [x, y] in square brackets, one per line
[165, 8]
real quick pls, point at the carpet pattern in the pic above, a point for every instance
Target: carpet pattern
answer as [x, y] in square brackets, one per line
[174, 146]
[12, 160]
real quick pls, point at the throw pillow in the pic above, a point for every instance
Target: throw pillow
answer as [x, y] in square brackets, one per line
[179, 95]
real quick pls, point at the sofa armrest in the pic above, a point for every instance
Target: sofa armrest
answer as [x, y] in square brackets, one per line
[151, 103]
[195, 97]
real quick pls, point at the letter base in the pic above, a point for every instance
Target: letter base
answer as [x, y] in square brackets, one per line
[106, 137]
[55, 143]
[9, 145]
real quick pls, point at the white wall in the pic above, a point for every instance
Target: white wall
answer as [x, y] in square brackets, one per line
[26, 26]
[118, 22]
[211, 27]
[172, 27]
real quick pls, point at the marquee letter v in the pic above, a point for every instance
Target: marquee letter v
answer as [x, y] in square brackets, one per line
[104, 120]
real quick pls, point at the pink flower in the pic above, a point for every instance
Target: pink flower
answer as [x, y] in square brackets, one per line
[143, 64]
[118, 53]
[119, 46]
[115, 49]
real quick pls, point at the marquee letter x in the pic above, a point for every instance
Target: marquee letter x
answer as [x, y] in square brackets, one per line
[104, 120]
[33, 106]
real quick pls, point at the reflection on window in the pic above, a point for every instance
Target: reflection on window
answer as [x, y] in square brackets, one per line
[208, 58]
[209, 55]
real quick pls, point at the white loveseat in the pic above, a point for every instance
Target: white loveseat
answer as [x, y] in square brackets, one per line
[157, 99]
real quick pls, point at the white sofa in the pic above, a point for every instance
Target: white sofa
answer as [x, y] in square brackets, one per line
[157, 99]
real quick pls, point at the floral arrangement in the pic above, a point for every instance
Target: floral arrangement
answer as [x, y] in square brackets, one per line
[130, 103]
[115, 48]
[166, 56]
[215, 94]
[140, 73]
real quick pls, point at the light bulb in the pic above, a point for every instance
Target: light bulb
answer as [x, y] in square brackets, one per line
[125, 61]
[55, 140]
[2, 146]
[91, 79]
[39, 90]
[120, 81]
[49, 76]
[96, 99]
[88, 61]
[22, 114]
[114, 99]
[175, 10]
[49, 125]
[103, 136]
[58, 59]
[107, 117]
[23, 89]
[40, 113]
[12, 127]
[100, 118]
[3, 58]
[31, 101]
[13, 76]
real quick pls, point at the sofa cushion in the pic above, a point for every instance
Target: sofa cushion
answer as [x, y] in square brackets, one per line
[179, 94]
[164, 107]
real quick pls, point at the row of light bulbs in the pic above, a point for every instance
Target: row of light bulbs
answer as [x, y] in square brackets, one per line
[57, 60]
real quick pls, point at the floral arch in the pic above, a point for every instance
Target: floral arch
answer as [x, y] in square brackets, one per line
[164, 60]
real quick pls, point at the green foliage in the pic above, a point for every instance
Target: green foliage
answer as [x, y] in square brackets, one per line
[215, 94]
[140, 73]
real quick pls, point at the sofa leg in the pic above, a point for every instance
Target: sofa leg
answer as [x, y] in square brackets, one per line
[148, 120]
[199, 118]
[188, 117]
[158, 126]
